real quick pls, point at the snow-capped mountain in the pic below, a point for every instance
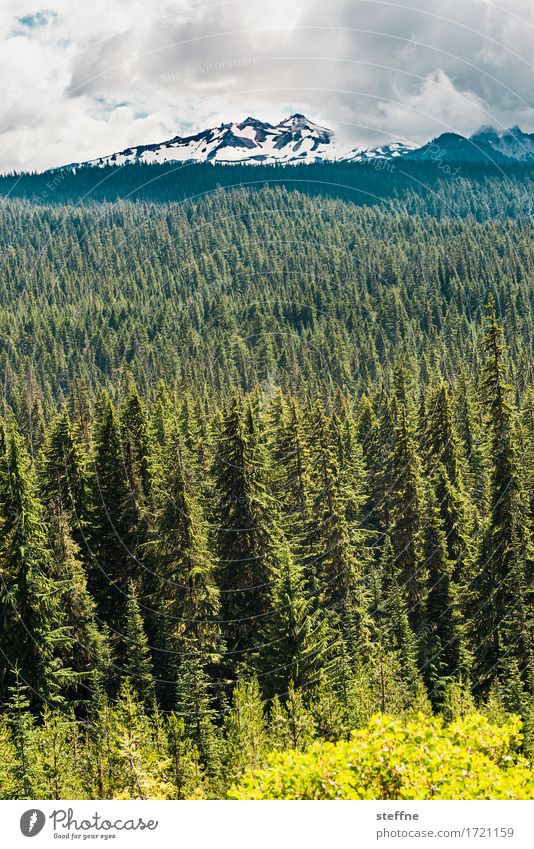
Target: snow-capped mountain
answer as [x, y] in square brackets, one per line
[252, 140]
[297, 139]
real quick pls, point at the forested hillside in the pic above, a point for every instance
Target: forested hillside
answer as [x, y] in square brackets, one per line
[441, 188]
[266, 469]
[251, 286]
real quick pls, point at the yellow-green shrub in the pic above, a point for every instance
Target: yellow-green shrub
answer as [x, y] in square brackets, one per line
[394, 759]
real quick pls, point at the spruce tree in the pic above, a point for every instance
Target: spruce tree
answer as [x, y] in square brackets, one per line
[33, 631]
[22, 724]
[138, 660]
[503, 613]
[292, 475]
[299, 640]
[337, 572]
[186, 595]
[195, 705]
[115, 517]
[375, 433]
[405, 499]
[58, 741]
[527, 447]
[248, 535]
[138, 768]
[328, 705]
[472, 438]
[83, 651]
[245, 729]
[442, 444]
[138, 450]
[63, 477]
[443, 464]
[443, 634]
[395, 632]
[188, 774]
[291, 722]
[10, 787]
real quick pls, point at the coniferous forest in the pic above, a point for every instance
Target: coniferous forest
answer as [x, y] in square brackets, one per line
[266, 480]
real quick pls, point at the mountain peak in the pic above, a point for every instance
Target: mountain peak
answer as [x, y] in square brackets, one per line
[512, 143]
[254, 121]
[297, 118]
[297, 139]
[300, 120]
[485, 128]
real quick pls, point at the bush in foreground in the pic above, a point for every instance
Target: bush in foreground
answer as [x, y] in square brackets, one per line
[396, 759]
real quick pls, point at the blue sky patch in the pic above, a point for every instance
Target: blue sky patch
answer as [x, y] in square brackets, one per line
[37, 19]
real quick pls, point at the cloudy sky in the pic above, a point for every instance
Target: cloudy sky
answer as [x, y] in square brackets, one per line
[82, 79]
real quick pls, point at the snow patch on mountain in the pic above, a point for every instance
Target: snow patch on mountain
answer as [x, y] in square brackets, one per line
[387, 151]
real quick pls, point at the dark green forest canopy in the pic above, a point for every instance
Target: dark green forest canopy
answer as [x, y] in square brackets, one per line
[436, 188]
[257, 285]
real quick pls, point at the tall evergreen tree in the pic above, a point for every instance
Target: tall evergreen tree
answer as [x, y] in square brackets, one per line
[292, 481]
[503, 616]
[336, 570]
[245, 729]
[395, 632]
[186, 594]
[405, 497]
[138, 450]
[32, 628]
[299, 640]
[26, 767]
[443, 653]
[115, 516]
[443, 464]
[138, 660]
[248, 536]
[63, 477]
[83, 651]
[195, 705]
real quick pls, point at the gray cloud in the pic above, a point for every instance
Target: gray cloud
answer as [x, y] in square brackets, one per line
[85, 83]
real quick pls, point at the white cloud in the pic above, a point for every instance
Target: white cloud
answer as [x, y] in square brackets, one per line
[437, 107]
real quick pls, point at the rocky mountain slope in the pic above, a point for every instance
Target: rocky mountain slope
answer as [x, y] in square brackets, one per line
[297, 139]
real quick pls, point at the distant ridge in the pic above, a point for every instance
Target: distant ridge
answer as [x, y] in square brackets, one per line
[297, 139]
